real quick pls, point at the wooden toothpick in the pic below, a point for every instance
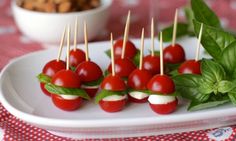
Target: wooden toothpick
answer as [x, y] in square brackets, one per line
[199, 43]
[175, 28]
[112, 57]
[125, 35]
[161, 54]
[141, 50]
[75, 33]
[86, 41]
[152, 37]
[61, 44]
[68, 49]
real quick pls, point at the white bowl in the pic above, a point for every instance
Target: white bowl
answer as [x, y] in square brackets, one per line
[48, 27]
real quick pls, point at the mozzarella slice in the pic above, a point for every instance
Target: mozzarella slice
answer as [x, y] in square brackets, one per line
[159, 99]
[89, 87]
[114, 98]
[138, 95]
[69, 97]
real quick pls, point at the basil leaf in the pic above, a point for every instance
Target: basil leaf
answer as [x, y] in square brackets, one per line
[94, 83]
[105, 93]
[156, 52]
[66, 91]
[204, 14]
[195, 105]
[202, 97]
[174, 72]
[205, 87]
[182, 29]
[72, 68]
[187, 84]
[136, 58]
[214, 40]
[225, 86]
[108, 53]
[44, 78]
[228, 60]
[232, 97]
[189, 16]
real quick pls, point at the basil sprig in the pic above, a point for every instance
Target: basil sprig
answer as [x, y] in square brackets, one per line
[66, 91]
[105, 93]
[44, 78]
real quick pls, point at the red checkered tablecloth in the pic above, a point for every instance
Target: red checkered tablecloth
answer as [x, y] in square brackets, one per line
[13, 44]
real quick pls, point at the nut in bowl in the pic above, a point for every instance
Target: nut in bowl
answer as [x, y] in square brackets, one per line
[46, 27]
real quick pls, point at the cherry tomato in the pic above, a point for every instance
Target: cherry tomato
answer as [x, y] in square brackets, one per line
[138, 79]
[152, 64]
[190, 67]
[50, 69]
[76, 57]
[67, 105]
[123, 67]
[161, 84]
[164, 108]
[130, 50]
[112, 106]
[113, 83]
[91, 91]
[88, 71]
[174, 54]
[135, 100]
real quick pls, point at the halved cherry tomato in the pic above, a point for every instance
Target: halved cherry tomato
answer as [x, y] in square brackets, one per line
[138, 79]
[190, 67]
[123, 67]
[164, 108]
[88, 71]
[130, 50]
[152, 64]
[50, 69]
[174, 54]
[113, 83]
[112, 106]
[76, 57]
[161, 84]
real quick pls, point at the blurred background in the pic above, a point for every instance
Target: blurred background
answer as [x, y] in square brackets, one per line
[13, 43]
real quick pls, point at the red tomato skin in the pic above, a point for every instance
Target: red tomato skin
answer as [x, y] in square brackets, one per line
[76, 57]
[130, 50]
[66, 105]
[152, 64]
[112, 106]
[123, 67]
[91, 91]
[190, 67]
[66, 79]
[44, 90]
[164, 108]
[50, 69]
[113, 83]
[135, 100]
[88, 71]
[174, 54]
[138, 79]
[161, 84]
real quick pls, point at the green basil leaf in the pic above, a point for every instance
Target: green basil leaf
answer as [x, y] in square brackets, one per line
[214, 40]
[225, 86]
[187, 84]
[94, 83]
[195, 105]
[205, 87]
[66, 91]
[202, 97]
[204, 14]
[228, 60]
[156, 52]
[189, 16]
[44, 78]
[232, 97]
[212, 72]
[174, 73]
[72, 68]
[108, 53]
[182, 29]
[136, 58]
[105, 93]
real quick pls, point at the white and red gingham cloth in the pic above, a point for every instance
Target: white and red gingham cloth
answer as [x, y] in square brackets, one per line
[13, 44]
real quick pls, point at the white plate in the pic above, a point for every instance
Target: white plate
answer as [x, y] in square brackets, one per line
[22, 97]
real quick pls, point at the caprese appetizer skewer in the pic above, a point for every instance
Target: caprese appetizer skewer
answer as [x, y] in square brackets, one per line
[89, 72]
[192, 66]
[65, 86]
[151, 62]
[174, 53]
[112, 97]
[52, 67]
[77, 56]
[138, 79]
[162, 86]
